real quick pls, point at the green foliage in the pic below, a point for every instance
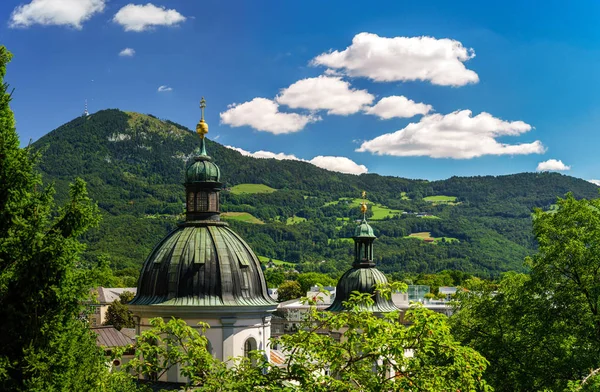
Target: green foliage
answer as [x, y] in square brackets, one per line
[43, 344]
[373, 353]
[542, 331]
[310, 279]
[290, 289]
[274, 277]
[173, 343]
[118, 314]
[134, 166]
[251, 189]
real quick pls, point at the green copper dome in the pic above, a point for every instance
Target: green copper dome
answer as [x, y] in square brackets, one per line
[206, 265]
[203, 170]
[362, 280]
[364, 230]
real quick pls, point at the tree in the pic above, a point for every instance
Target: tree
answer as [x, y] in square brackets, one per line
[44, 344]
[290, 289]
[310, 279]
[541, 331]
[118, 314]
[274, 277]
[374, 353]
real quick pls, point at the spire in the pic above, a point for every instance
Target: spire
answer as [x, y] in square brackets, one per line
[202, 128]
[363, 206]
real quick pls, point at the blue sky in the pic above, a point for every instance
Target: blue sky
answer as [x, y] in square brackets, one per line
[396, 88]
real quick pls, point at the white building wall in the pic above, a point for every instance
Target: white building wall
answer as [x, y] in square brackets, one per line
[227, 337]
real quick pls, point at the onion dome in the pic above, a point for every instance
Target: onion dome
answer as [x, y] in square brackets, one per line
[363, 280]
[364, 230]
[363, 276]
[203, 169]
[203, 263]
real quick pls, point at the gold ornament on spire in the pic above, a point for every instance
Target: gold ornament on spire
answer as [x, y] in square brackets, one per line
[202, 127]
[363, 205]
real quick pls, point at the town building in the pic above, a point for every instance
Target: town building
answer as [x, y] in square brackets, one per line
[102, 298]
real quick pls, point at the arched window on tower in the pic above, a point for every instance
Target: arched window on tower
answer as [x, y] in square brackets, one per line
[201, 201]
[249, 345]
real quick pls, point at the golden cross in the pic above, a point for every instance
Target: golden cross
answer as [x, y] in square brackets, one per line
[202, 106]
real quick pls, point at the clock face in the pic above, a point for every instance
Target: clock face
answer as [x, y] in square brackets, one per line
[190, 202]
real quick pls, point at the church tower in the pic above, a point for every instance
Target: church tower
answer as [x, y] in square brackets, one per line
[204, 271]
[363, 276]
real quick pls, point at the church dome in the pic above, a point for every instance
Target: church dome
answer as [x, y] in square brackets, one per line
[203, 170]
[204, 264]
[364, 230]
[363, 280]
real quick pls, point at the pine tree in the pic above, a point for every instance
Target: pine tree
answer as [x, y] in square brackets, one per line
[44, 344]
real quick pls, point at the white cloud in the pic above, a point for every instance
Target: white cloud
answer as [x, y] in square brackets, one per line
[398, 106]
[552, 165]
[163, 88]
[329, 93]
[337, 164]
[456, 135]
[55, 12]
[595, 182]
[143, 17]
[263, 115]
[127, 52]
[439, 61]
[266, 154]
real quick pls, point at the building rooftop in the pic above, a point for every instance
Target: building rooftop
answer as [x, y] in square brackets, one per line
[108, 336]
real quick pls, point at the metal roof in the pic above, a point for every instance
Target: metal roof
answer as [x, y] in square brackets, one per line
[109, 336]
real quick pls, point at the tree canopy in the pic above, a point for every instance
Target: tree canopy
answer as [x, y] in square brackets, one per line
[542, 331]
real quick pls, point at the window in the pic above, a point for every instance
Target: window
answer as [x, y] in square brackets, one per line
[249, 345]
[213, 201]
[201, 201]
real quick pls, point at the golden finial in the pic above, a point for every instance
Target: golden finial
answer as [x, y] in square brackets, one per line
[363, 205]
[202, 127]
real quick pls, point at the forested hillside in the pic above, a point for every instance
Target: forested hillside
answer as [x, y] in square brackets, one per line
[301, 214]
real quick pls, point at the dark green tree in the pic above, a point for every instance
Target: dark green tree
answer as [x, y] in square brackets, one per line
[541, 331]
[310, 279]
[118, 314]
[290, 289]
[44, 344]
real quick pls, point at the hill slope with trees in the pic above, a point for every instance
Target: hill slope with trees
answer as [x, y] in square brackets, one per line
[133, 164]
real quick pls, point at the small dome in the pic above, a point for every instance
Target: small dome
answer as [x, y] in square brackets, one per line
[203, 170]
[204, 265]
[362, 280]
[364, 230]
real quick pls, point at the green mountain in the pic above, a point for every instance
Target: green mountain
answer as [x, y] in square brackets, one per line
[296, 212]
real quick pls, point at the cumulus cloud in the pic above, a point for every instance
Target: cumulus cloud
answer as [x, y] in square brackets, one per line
[552, 165]
[55, 12]
[332, 163]
[127, 52]
[456, 135]
[263, 115]
[266, 154]
[339, 164]
[163, 88]
[398, 106]
[329, 93]
[439, 61]
[143, 17]
[595, 182]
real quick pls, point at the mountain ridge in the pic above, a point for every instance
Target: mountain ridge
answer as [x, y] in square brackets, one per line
[134, 165]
